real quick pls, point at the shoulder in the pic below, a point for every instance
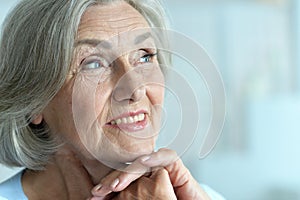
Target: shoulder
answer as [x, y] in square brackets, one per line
[12, 188]
[211, 193]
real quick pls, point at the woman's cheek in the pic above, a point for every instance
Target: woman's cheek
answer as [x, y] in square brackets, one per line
[84, 107]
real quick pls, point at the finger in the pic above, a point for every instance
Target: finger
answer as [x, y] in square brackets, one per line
[162, 158]
[178, 173]
[96, 198]
[130, 174]
[135, 190]
[100, 191]
[118, 180]
[161, 178]
[106, 185]
[169, 159]
[156, 186]
[160, 173]
[107, 197]
[140, 166]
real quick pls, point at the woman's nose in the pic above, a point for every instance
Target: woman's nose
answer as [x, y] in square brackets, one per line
[130, 87]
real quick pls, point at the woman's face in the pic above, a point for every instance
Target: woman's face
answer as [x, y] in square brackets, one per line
[109, 107]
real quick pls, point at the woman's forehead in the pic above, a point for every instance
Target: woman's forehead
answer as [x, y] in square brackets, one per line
[104, 21]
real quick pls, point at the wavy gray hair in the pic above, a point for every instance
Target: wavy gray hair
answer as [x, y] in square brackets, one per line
[36, 50]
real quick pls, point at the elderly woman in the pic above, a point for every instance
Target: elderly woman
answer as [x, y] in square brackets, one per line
[80, 95]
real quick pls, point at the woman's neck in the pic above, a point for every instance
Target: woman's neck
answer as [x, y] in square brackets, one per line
[67, 175]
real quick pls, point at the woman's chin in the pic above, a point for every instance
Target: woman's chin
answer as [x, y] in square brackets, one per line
[118, 157]
[132, 155]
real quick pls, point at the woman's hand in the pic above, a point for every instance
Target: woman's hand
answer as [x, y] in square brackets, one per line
[157, 186]
[184, 185]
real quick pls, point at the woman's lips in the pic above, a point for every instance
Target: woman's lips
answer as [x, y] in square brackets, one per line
[130, 122]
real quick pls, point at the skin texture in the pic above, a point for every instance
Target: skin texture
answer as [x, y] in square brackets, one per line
[136, 184]
[101, 23]
[92, 150]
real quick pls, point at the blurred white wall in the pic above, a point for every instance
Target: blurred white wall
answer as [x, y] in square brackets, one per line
[256, 47]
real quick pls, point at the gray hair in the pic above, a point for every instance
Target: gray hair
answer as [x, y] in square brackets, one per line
[36, 49]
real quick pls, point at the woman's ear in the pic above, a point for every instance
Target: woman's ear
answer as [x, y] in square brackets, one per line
[37, 119]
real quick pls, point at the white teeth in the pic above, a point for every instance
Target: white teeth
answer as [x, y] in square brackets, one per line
[141, 117]
[118, 121]
[124, 120]
[129, 120]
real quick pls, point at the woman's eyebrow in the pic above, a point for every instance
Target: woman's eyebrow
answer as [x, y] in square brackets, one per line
[93, 43]
[141, 38]
[105, 44]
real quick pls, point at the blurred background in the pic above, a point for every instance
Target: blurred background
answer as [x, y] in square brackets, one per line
[256, 46]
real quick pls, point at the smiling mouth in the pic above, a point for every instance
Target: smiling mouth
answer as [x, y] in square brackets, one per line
[130, 122]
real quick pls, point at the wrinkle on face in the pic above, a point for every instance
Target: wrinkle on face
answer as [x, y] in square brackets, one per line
[90, 92]
[111, 22]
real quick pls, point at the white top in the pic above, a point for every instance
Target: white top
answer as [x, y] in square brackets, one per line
[11, 189]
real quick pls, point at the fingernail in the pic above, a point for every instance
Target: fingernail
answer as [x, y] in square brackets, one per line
[97, 187]
[144, 159]
[115, 183]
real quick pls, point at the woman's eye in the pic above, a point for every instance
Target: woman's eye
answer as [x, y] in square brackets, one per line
[92, 65]
[146, 58]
